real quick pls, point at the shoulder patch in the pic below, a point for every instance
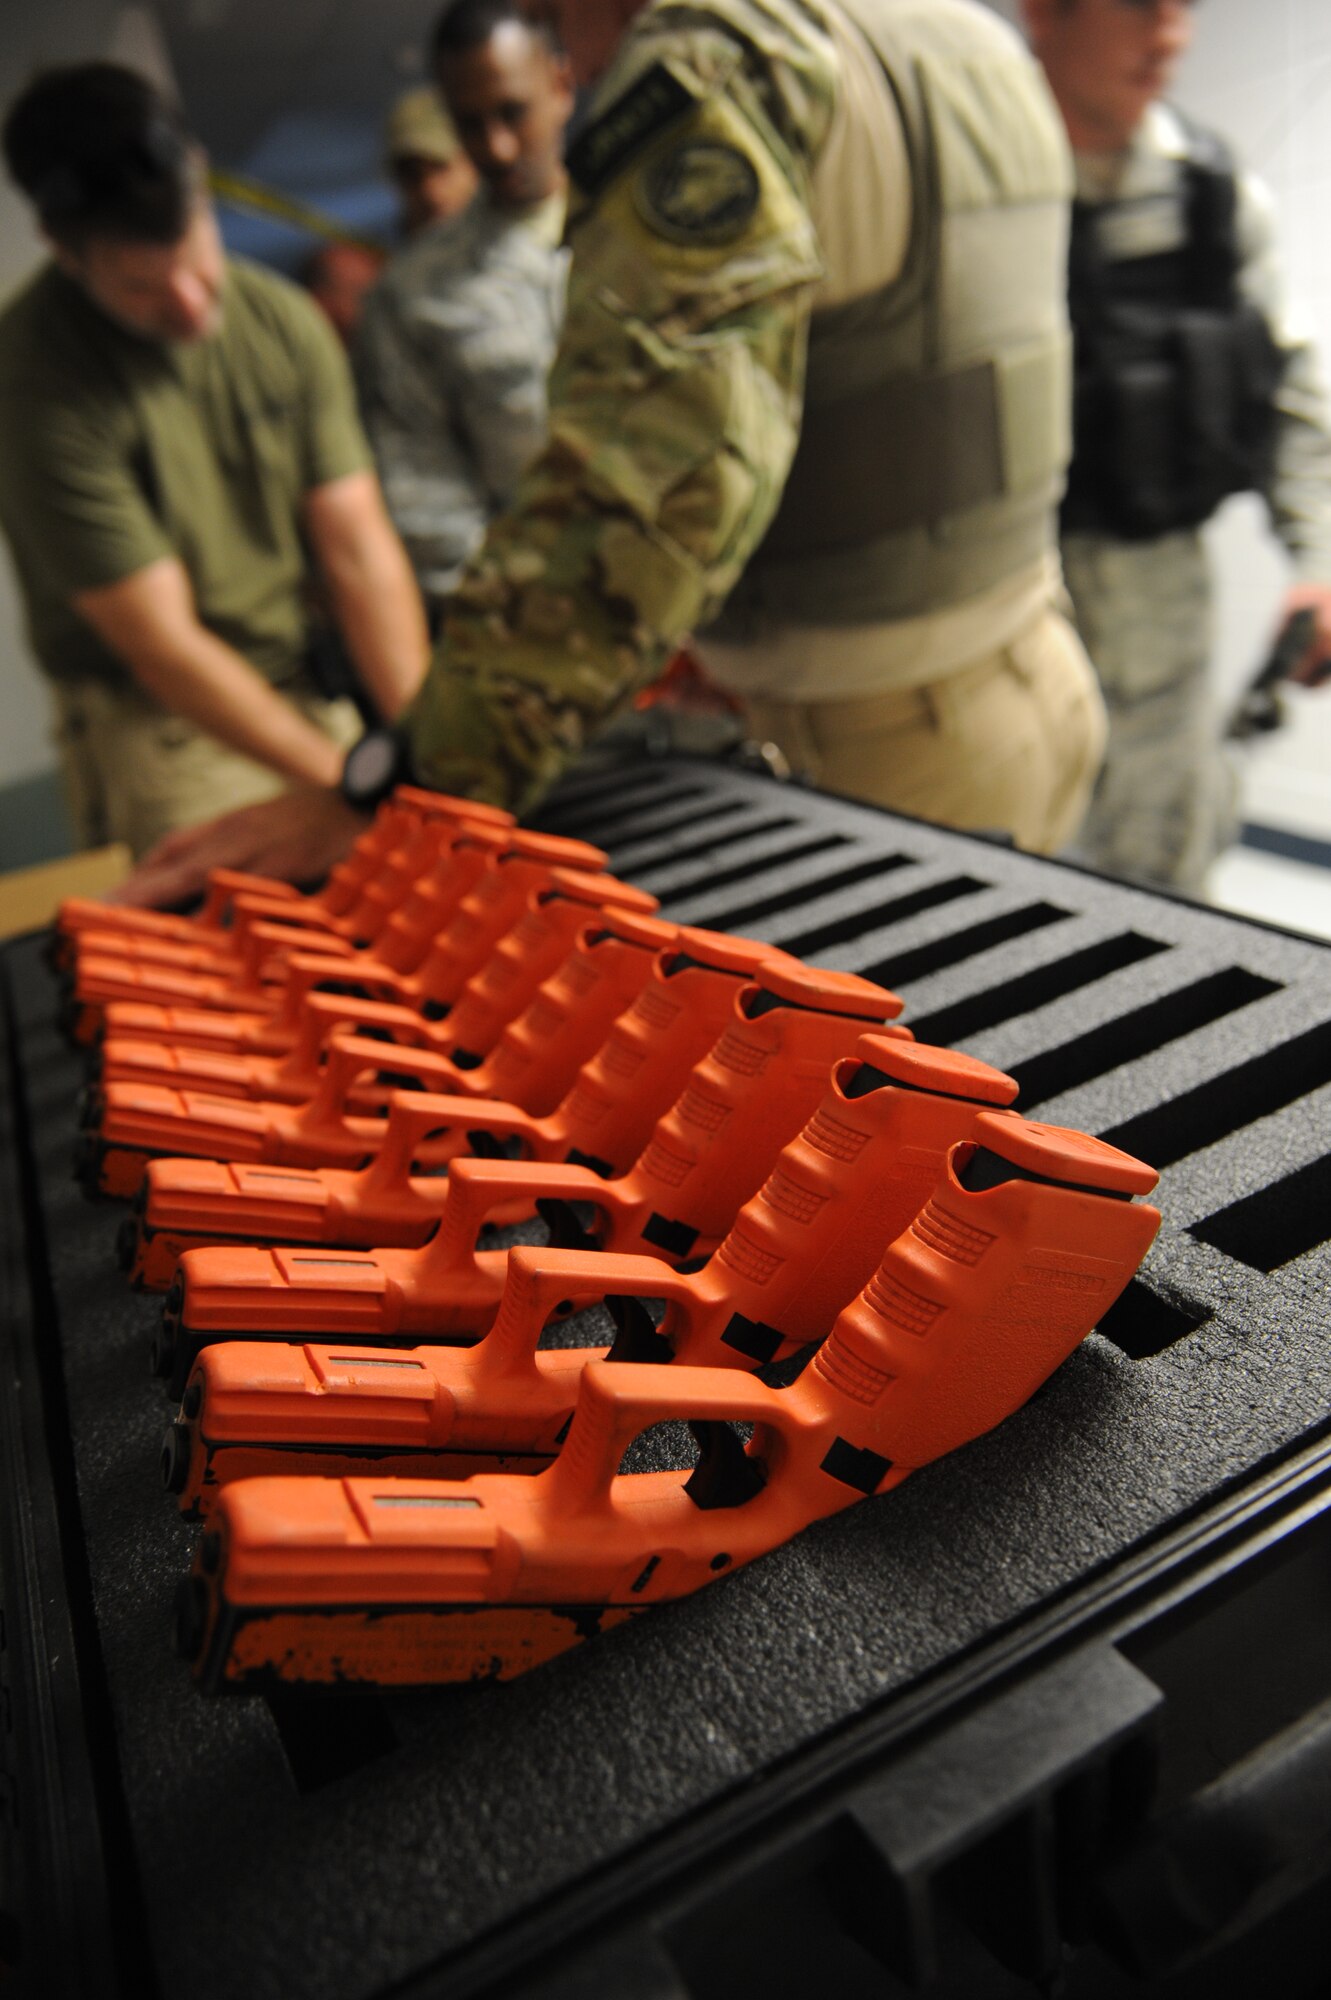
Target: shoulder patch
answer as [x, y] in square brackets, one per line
[656, 100]
[701, 191]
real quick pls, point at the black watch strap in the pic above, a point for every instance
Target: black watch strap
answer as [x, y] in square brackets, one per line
[373, 766]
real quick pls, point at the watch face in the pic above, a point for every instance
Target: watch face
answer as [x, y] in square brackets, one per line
[370, 765]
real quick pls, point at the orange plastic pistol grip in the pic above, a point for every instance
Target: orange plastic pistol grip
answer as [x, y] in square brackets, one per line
[407, 804]
[385, 1203]
[265, 950]
[849, 1182]
[212, 953]
[528, 954]
[501, 1404]
[429, 889]
[233, 1032]
[80, 913]
[742, 1104]
[265, 928]
[130, 1123]
[606, 1116]
[538, 1056]
[99, 978]
[744, 1100]
[620, 1090]
[405, 809]
[506, 982]
[136, 1122]
[799, 1251]
[689, 994]
[495, 902]
[386, 889]
[431, 902]
[1030, 1236]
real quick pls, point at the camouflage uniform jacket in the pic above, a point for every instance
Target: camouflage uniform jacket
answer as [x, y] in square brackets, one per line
[452, 358]
[675, 399]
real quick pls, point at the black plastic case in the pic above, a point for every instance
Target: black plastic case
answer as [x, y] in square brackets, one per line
[1055, 1718]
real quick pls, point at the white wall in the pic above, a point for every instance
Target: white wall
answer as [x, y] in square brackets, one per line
[1261, 74]
[24, 742]
[24, 747]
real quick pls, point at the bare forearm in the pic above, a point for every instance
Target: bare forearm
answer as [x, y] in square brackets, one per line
[148, 619]
[202, 679]
[379, 610]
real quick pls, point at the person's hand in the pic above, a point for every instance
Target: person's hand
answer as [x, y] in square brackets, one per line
[1315, 665]
[296, 838]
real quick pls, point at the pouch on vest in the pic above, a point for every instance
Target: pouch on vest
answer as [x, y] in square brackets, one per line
[1176, 374]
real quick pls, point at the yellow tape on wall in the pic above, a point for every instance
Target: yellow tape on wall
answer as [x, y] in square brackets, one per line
[239, 191]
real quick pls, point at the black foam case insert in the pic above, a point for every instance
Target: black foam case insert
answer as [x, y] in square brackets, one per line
[349, 1847]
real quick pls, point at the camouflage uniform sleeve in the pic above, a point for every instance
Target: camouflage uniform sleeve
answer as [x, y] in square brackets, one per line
[1300, 491]
[675, 396]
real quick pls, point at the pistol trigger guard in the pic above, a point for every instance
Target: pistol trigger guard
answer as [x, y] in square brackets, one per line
[725, 1475]
[567, 1231]
[636, 1339]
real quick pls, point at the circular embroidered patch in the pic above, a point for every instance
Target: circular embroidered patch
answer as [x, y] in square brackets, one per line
[698, 192]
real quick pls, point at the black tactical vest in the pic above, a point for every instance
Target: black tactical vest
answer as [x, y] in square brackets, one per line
[1175, 374]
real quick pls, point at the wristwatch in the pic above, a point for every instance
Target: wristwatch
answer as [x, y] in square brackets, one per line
[380, 760]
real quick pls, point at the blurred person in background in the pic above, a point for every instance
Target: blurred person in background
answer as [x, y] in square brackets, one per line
[1194, 380]
[455, 344]
[339, 277]
[434, 178]
[181, 451]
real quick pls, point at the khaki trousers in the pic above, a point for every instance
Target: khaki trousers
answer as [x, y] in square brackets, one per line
[1167, 801]
[134, 774]
[1010, 744]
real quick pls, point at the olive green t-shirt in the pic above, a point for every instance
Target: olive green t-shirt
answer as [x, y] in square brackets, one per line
[116, 451]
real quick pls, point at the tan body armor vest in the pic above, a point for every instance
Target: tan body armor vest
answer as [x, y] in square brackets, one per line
[936, 424]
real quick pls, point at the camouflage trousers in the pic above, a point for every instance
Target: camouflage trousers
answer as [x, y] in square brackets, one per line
[1167, 801]
[135, 774]
[1008, 744]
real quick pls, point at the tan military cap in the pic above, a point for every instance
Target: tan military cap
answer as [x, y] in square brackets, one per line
[419, 128]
